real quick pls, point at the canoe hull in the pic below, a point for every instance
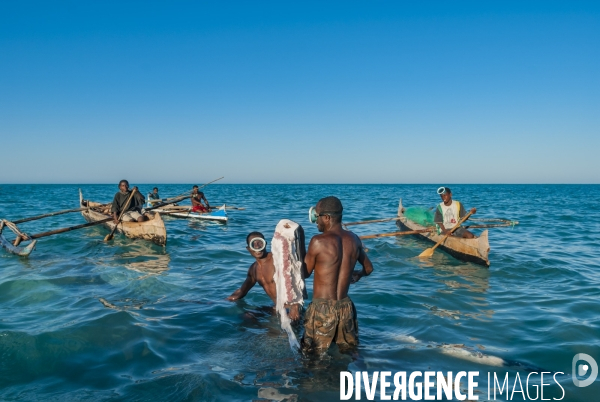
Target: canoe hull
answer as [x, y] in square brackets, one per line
[472, 250]
[152, 230]
[219, 215]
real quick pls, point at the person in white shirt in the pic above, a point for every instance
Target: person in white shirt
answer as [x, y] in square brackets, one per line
[449, 212]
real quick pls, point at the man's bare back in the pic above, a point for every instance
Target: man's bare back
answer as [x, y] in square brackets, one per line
[332, 255]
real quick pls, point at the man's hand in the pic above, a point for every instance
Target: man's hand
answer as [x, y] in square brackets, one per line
[135, 188]
[473, 210]
[294, 312]
[231, 298]
[356, 275]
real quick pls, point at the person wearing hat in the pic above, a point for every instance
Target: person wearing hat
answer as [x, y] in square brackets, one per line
[449, 212]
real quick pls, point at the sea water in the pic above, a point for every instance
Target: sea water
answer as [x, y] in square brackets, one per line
[127, 320]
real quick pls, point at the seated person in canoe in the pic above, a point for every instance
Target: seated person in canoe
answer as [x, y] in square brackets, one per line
[133, 210]
[197, 197]
[449, 212]
[154, 194]
[263, 272]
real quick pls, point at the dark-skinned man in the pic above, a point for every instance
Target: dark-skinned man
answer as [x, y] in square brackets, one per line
[133, 210]
[332, 255]
[197, 198]
[262, 271]
[154, 194]
[449, 212]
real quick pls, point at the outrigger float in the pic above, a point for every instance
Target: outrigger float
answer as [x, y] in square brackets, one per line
[10, 247]
[24, 251]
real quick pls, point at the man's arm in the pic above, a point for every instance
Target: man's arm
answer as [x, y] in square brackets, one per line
[246, 286]
[310, 260]
[205, 200]
[138, 200]
[439, 219]
[366, 263]
[114, 209]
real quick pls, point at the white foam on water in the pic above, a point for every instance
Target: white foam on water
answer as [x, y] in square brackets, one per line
[406, 338]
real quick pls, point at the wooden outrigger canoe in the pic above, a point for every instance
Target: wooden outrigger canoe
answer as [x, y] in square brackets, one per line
[473, 250]
[218, 215]
[153, 230]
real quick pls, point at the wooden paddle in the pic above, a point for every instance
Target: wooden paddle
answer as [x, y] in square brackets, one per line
[408, 232]
[112, 233]
[429, 252]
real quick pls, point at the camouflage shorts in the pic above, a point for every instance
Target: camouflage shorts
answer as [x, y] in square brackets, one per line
[328, 321]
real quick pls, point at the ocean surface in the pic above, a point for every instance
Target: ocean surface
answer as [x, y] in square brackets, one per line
[85, 320]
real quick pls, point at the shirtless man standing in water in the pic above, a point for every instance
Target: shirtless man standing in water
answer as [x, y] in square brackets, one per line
[332, 255]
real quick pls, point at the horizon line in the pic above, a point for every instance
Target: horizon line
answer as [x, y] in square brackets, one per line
[305, 184]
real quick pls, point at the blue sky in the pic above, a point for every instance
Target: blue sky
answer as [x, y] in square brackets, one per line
[300, 92]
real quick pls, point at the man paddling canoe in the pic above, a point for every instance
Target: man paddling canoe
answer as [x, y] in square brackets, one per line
[197, 198]
[449, 212]
[133, 210]
[262, 271]
[332, 255]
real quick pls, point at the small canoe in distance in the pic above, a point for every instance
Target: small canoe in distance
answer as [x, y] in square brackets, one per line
[185, 212]
[472, 250]
[152, 230]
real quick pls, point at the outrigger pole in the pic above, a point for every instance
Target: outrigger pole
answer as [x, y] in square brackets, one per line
[25, 251]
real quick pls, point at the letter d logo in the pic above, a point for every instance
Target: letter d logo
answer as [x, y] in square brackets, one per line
[584, 369]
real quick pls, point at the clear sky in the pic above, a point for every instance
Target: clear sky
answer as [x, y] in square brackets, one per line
[300, 92]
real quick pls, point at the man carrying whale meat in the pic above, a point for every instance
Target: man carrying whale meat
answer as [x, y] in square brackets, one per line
[449, 212]
[263, 272]
[133, 210]
[332, 255]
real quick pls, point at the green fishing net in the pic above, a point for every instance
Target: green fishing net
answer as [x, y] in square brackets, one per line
[421, 215]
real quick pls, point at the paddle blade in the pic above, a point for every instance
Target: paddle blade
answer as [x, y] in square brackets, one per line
[427, 253]
[108, 237]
